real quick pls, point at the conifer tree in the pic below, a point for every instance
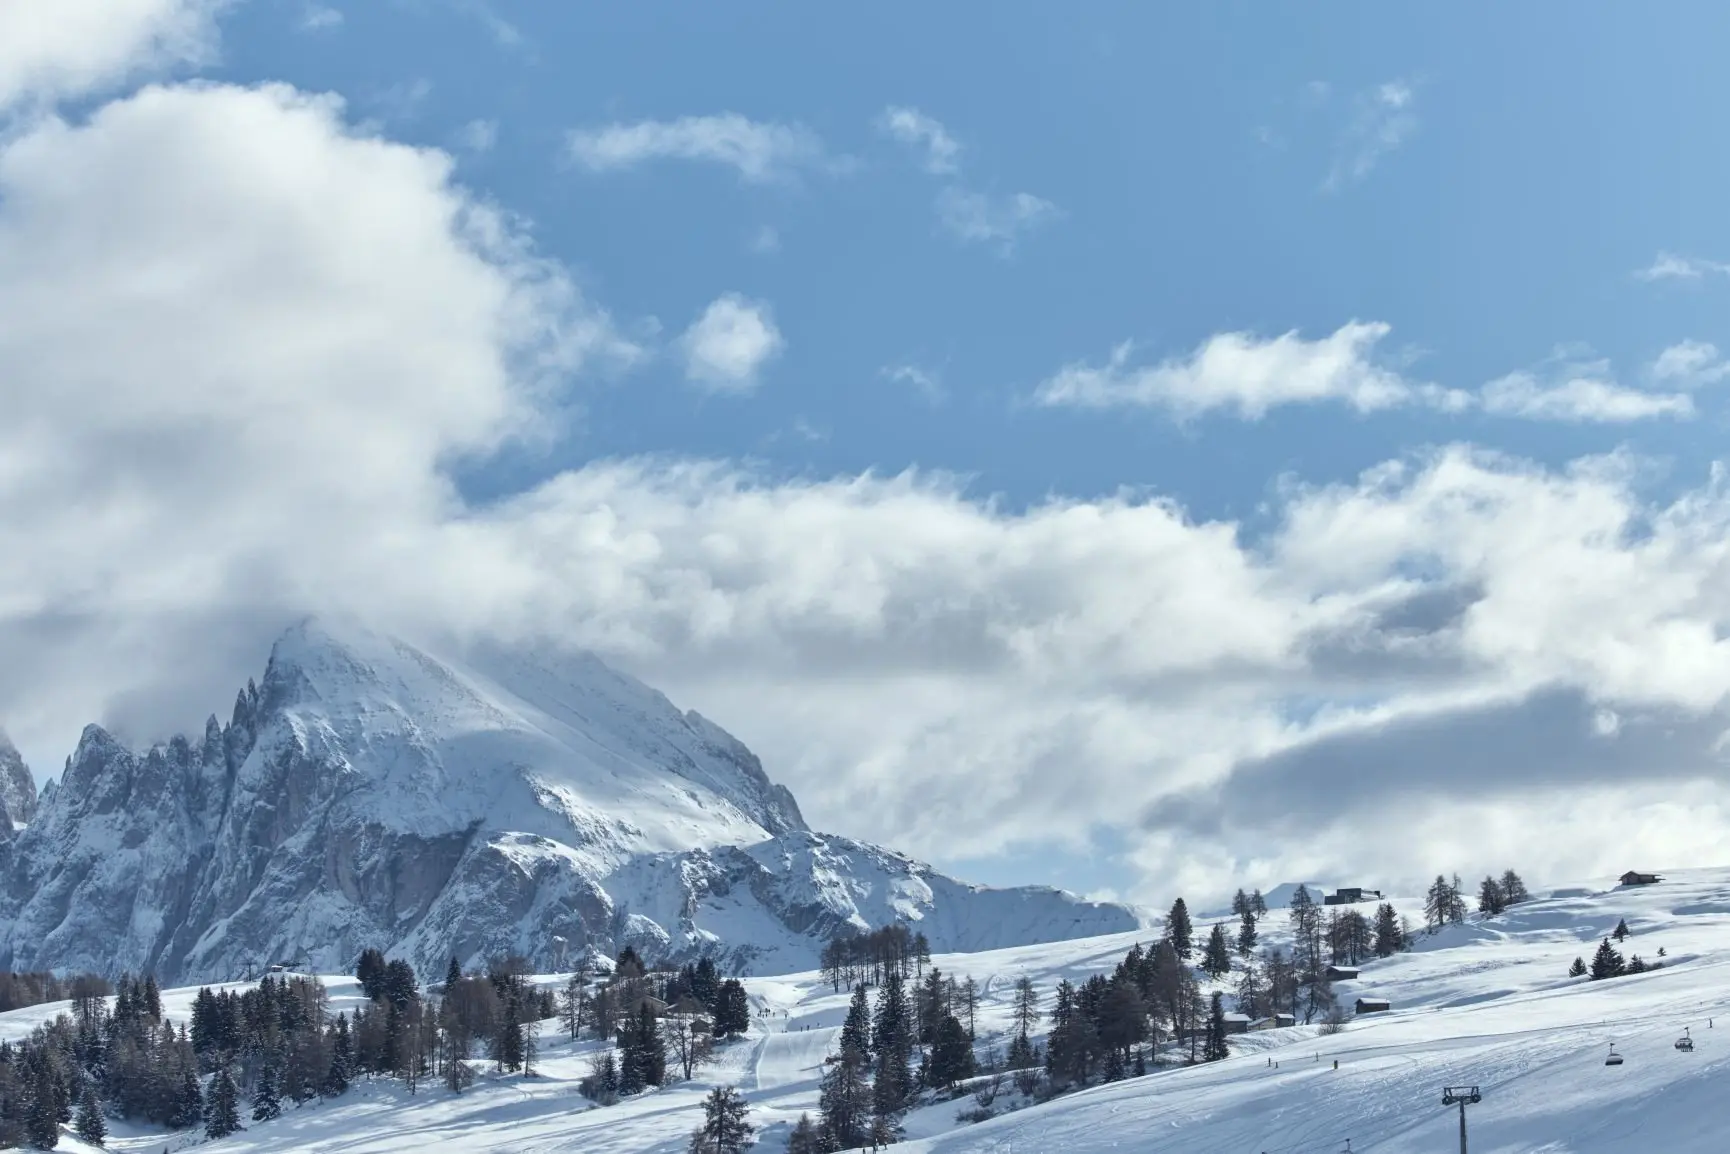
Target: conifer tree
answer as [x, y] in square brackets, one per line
[1491, 900]
[266, 1099]
[1178, 930]
[951, 1054]
[1607, 962]
[571, 1005]
[1216, 1045]
[1240, 904]
[1621, 934]
[1578, 969]
[804, 1138]
[453, 974]
[724, 1129]
[1216, 959]
[222, 1106]
[1246, 934]
[1026, 1005]
[844, 1102]
[90, 1125]
[1389, 937]
[856, 1030]
[1258, 905]
[892, 1039]
[1513, 889]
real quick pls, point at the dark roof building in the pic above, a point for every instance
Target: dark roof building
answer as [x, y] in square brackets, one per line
[1632, 878]
[1349, 895]
[1342, 973]
[1373, 1006]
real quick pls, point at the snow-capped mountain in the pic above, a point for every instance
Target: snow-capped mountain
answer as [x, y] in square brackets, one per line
[369, 793]
[17, 789]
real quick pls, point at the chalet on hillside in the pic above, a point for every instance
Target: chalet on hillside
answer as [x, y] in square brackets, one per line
[1237, 1023]
[1342, 973]
[1631, 878]
[1349, 896]
[1278, 1021]
[1373, 1006]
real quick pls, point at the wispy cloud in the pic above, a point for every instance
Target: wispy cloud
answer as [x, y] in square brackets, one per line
[1249, 375]
[978, 217]
[1671, 266]
[968, 215]
[316, 17]
[478, 136]
[1383, 119]
[1690, 364]
[765, 240]
[917, 130]
[403, 101]
[759, 151]
[928, 383]
[1577, 390]
[726, 348]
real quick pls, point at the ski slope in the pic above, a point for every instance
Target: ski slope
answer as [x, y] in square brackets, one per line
[1486, 1004]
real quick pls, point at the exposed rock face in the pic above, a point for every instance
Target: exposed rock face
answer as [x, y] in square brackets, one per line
[367, 793]
[17, 789]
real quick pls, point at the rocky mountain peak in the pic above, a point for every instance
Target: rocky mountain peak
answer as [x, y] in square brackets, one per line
[17, 788]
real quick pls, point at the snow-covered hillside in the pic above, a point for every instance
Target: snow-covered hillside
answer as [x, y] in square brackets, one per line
[368, 793]
[1487, 1004]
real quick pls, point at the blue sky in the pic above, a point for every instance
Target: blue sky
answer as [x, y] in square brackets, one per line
[1228, 168]
[1067, 443]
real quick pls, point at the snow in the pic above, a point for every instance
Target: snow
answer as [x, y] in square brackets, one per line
[1485, 1004]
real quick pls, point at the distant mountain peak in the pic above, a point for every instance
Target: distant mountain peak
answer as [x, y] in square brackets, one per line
[17, 788]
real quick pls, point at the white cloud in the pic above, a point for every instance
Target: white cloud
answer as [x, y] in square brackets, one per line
[765, 240]
[68, 48]
[1579, 393]
[726, 348]
[977, 217]
[1670, 266]
[1382, 121]
[478, 136]
[247, 345]
[316, 17]
[758, 151]
[913, 128]
[405, 99]
[1249, 375]
[928, 383]
[1689, 364]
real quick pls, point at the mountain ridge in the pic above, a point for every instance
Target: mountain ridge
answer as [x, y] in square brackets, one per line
[372, 793]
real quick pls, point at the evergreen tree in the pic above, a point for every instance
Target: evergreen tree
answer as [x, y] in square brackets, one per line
[1178, 930]
[222, 1106]
[1026, 1012]
[732, 1010]
[844, 1103]
[1216, 1046]
[188, 1108]
[1240, 904]
[369, 971]
[804, 1138]
[1258, 905]
[1491, 900]
[724, 1129]
[1513, 889]
[453, 974]
[90, 1125]
[1578, 969]
[1216, 959]
[856, 1030]
[951, 1054]
[266, 1101]
[1252, 991]
[1622, 931]
[1457, 908]
[1246, 934]
[341, 1069]
[1389, 937]
[42, 1119]
[892, 1029]
[1607, 962]
[1438, 904]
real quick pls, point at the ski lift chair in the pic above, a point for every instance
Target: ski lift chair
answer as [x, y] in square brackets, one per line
[1686, 1042]
[1614, 1059]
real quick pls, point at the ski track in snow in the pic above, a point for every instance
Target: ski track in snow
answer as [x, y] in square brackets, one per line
[1485, 1004]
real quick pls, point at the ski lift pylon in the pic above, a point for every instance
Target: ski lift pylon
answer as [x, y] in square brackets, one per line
[1686, 1042]
[1614, 1059]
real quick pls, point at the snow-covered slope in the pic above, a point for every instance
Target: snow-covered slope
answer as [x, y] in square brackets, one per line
[1487, 1004]
[370, 793]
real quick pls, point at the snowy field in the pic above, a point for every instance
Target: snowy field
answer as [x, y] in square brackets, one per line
[1486, 1004]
